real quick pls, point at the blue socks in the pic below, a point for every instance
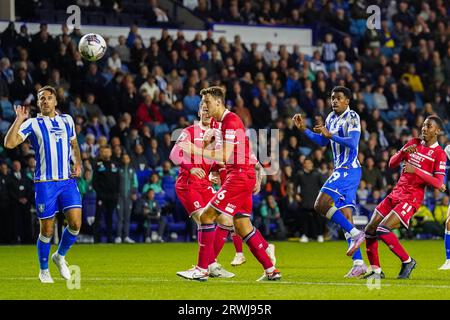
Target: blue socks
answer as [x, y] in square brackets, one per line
[337, 217]
[68, 238]
[447, 244]
[43, 248]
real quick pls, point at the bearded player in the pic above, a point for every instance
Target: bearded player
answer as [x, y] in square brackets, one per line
[424, 166]
[54, 140]
[234, 198]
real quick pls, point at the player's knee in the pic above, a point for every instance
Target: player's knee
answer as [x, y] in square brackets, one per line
[47, 231]
[75, 225]
[207, 216]
[320, 207]
[371, 229]
[225, 220]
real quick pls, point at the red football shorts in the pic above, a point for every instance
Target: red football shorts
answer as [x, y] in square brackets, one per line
[404, 208]
[194, 199]
[235, 195]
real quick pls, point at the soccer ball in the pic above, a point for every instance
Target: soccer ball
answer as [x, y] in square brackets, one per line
[92, 46]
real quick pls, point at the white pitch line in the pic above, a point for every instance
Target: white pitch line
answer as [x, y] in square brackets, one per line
[305, 283]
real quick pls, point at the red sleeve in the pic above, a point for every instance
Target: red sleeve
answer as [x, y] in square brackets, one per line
[177, 155]
[440, 163]
[435, 181]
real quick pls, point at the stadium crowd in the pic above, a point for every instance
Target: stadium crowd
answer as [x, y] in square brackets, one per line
[127, 105]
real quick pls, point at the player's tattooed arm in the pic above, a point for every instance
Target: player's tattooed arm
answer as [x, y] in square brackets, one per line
[77, 155]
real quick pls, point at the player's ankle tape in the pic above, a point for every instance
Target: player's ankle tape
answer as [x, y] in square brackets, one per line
[73, 232]
[331, 212]
[44, 239]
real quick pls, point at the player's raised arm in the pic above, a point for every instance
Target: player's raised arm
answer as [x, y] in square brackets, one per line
[315, 137]
[17, 133]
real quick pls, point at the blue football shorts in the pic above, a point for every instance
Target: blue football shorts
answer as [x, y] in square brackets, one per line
[342, 185]
[54, 196]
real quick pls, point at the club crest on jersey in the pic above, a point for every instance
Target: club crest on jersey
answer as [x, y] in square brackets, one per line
[41, 207]
[430, 152]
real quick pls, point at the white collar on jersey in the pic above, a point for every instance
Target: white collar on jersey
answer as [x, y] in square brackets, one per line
[224, 114]
[346, 110]
[434, 145]
[40, 115]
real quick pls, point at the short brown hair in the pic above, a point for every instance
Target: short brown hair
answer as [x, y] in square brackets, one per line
[47, 88]
[216, 91]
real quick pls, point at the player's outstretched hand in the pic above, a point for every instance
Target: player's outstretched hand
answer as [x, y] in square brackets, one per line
[198, 172]
[443, 188]
[22, 112]
[410, 149]
[214, 178]
[298, 122]
[409, 168]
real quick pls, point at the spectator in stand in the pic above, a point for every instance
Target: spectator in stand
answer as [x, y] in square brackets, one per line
[270, 213]
[106, 182]
[151, 212]
[127, 196]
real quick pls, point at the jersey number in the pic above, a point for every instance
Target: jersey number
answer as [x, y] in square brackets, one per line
[334, 177]
[221, 195]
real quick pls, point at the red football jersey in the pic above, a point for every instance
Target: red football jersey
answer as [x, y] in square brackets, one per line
[233, 132]
[195, 134]
[430, 160]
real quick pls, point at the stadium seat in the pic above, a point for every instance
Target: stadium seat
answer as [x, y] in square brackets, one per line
[142, 176]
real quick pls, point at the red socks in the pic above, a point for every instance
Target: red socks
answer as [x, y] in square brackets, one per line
[258, 247]
[206, 234]
[372, 250]
[237, 241]
[392, 242]
[219, 241]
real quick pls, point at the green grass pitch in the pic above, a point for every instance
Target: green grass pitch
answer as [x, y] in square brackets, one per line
[147, 271]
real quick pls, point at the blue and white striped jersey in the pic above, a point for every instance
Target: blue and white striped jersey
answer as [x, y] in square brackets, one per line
[341, 126]
[50, 138]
